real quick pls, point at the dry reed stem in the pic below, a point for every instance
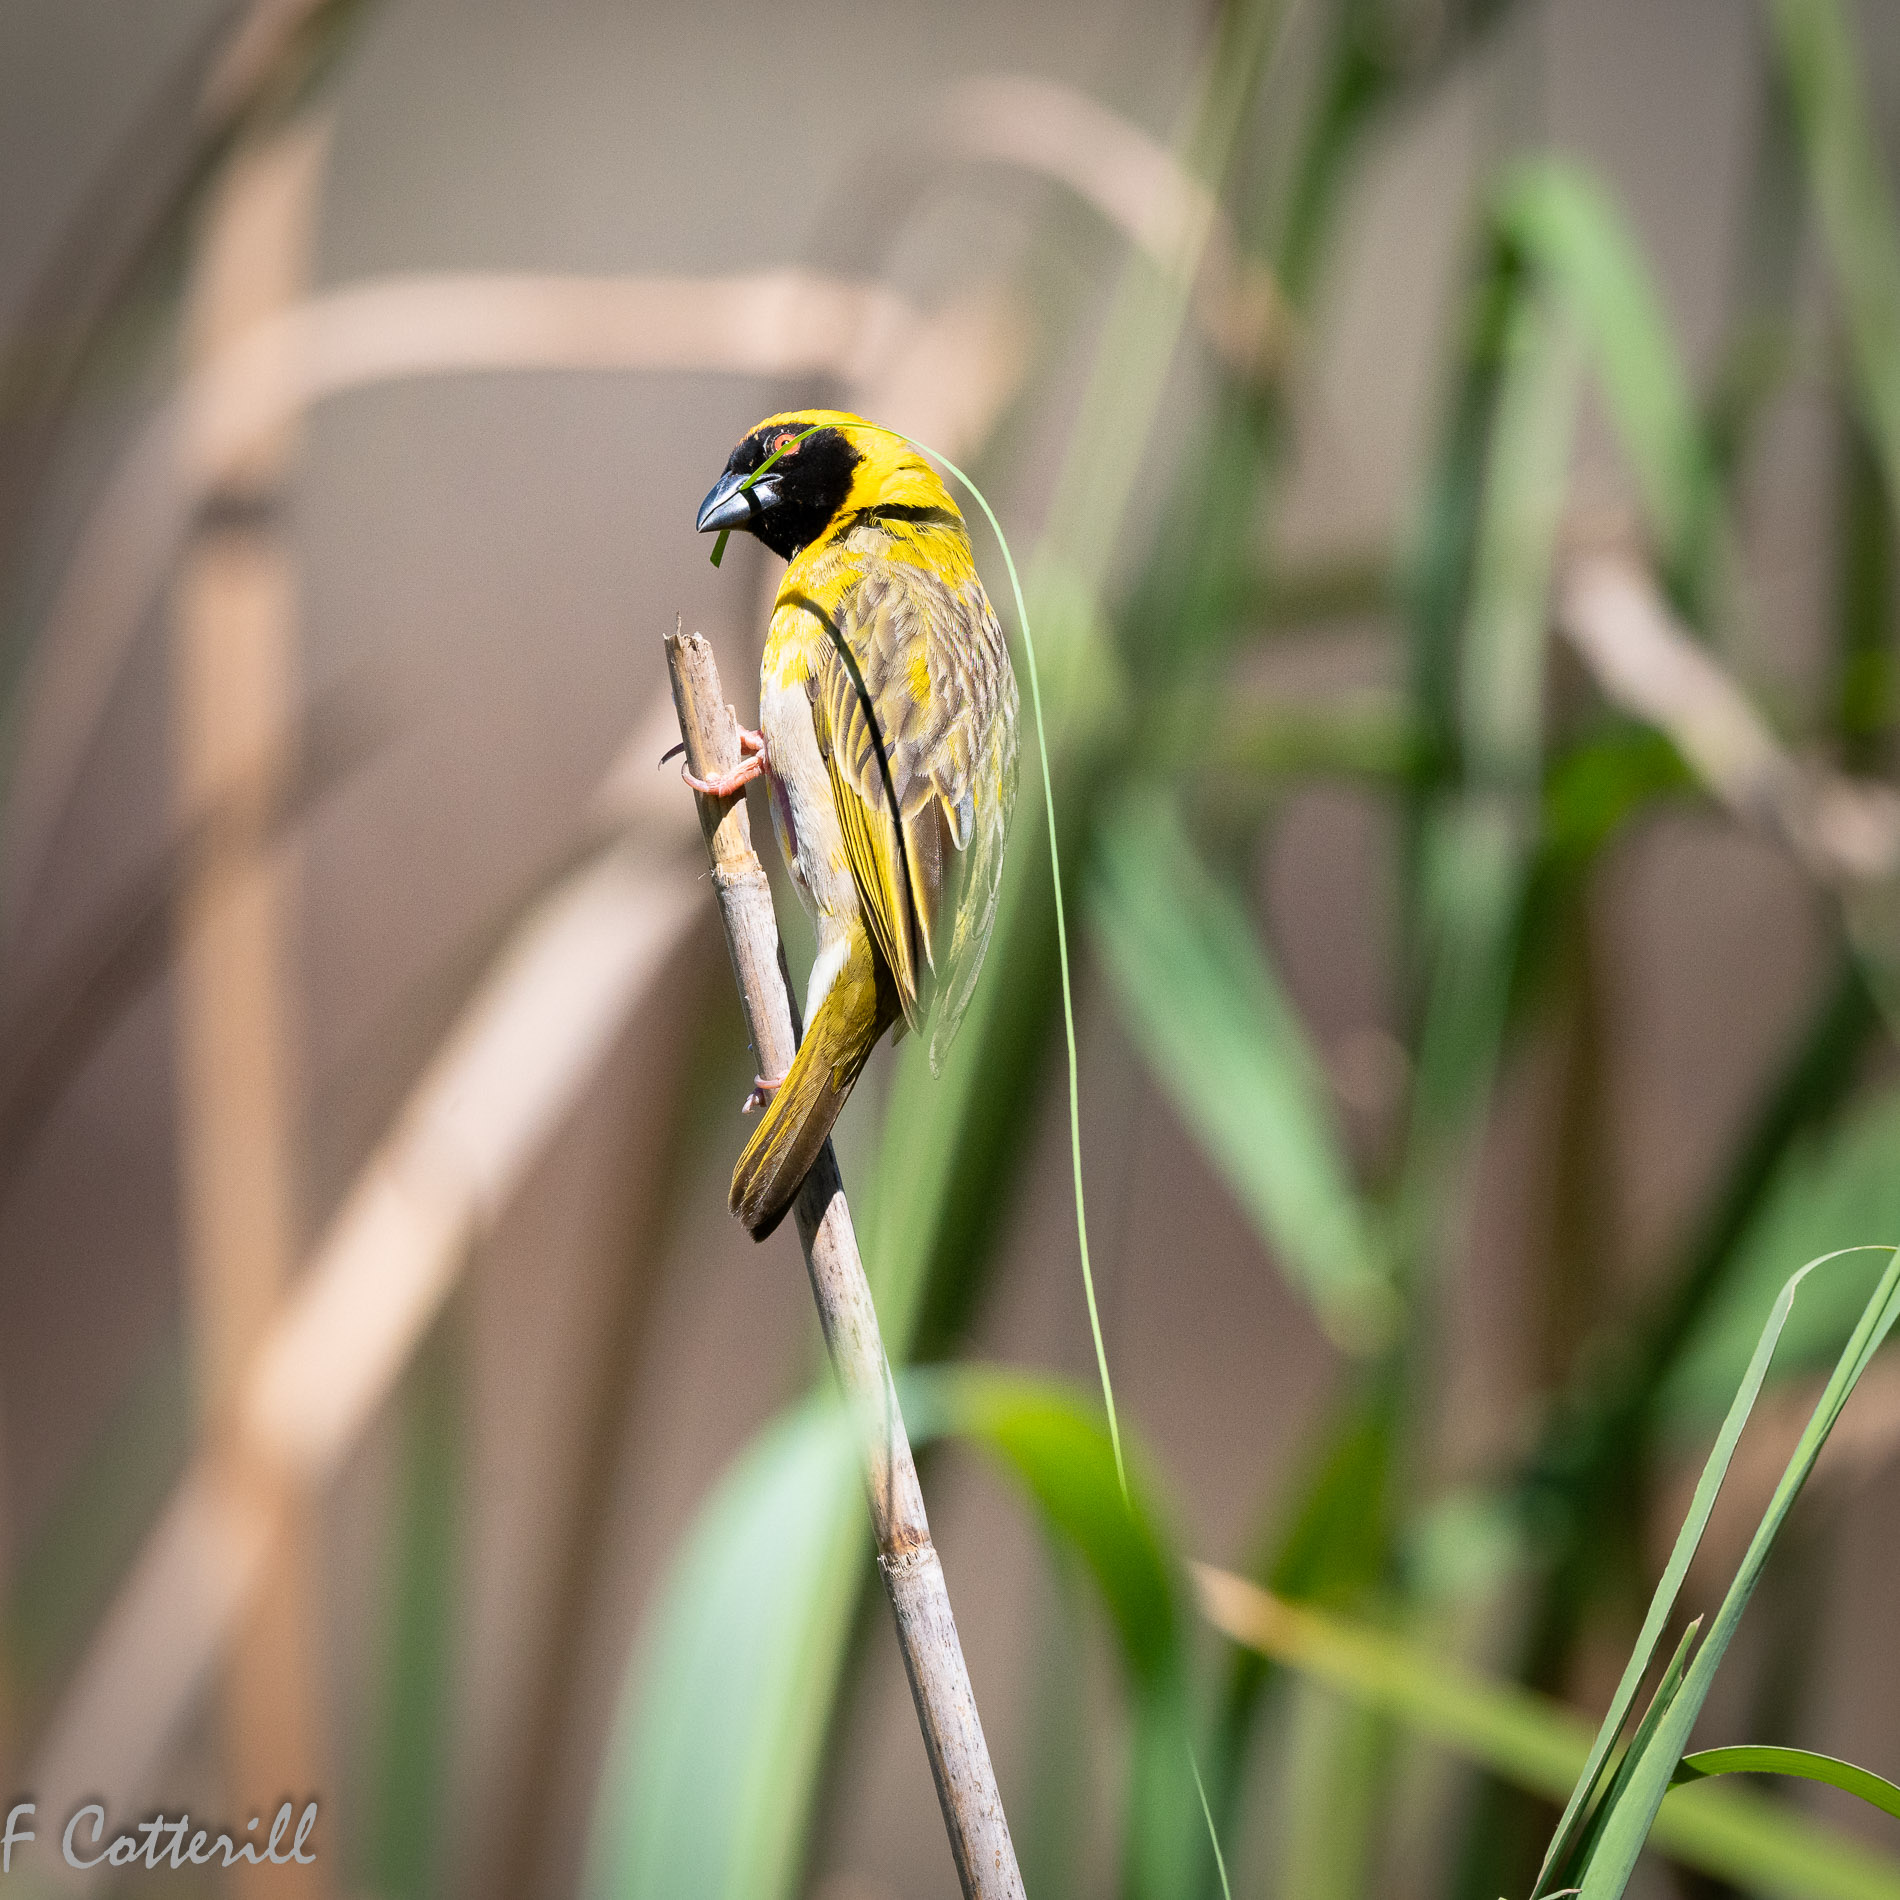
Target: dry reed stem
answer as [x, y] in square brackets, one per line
[257, 49]
[234, 705]
[907, 1559]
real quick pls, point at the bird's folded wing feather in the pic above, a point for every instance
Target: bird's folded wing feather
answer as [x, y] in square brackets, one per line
[923, 798]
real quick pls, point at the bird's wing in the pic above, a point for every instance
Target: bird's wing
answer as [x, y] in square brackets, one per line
[924, 794]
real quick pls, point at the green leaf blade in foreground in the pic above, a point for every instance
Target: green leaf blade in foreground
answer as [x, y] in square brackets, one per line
[1569, 1830]
[1626, 1826]
[1207, 1012]
[1801, 1763]
[1537, 1744]
[1666, 1692]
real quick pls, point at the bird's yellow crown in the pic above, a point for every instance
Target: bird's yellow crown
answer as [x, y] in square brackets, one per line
[888, 474]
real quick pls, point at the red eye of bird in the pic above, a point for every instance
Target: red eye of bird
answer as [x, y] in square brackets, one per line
[784, 444]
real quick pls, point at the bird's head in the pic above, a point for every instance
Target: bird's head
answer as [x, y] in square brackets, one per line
[842, 468]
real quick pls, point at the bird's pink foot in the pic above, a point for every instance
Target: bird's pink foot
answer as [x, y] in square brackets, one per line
[762, 1092]
[728, 784]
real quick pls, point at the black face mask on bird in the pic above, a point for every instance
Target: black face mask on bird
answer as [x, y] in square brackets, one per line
[794, 501]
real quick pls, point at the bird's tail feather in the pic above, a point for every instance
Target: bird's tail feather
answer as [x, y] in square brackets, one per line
[859, 1006]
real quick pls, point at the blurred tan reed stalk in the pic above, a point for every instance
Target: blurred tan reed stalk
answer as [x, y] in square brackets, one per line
[253, 60]
[1140, 187]
[1843, 831]
[491, 1099]
[234, 710]
[907, 1559]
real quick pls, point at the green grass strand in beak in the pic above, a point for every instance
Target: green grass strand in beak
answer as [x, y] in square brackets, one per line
[719, 543]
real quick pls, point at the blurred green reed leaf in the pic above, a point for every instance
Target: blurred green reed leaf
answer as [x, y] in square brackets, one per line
[1572, 236]
[1831, 1191]
[1055, 1445]
[1601, 783]
[713, 1764]
[710, 1773]
[1801, 1763]
[1565, 283]
[417, 1676]
[1205, 1007]
[1206, 728]
[1538, 1744]
[1479, 611]
[1332, 1547]
[1596, 787]
[1619, 1827]
[1338, 1758]
[64, 1576]
[1563, 280]
[1052, 1821]
[1847, 180]
[1475, 843]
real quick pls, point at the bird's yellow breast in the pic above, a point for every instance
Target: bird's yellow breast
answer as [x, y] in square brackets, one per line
[812, 595]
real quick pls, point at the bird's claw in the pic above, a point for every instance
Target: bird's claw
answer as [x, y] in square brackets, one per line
[762, 1092]
[729, 784]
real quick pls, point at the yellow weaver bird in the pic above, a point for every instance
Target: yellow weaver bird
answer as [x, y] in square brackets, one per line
[887, 715]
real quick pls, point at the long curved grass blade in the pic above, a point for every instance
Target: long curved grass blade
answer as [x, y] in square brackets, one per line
[1626, 1825]
[1659, 1705]
[1802, 1763]
[1206, 1009]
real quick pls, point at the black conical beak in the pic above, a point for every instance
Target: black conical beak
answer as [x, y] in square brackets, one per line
[730, 505]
